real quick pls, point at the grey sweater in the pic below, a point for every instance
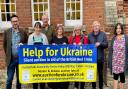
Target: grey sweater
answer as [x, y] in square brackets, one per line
[38, 38]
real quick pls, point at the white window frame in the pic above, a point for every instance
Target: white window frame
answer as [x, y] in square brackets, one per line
[32, 7]
[74, 22]
[5, 24]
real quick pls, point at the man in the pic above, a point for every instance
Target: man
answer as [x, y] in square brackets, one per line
[49, 32]
[47, 29]
[98, 38]
[13, 37]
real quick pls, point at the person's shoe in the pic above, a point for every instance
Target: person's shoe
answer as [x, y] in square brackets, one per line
[75, 88]
[47, 88]
[93, 88]
[101, 88]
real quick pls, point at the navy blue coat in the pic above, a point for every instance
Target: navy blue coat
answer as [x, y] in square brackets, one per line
[102, 38]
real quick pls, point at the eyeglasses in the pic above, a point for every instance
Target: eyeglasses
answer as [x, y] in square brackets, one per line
[77, 29]
[14, 21]
[59, 25]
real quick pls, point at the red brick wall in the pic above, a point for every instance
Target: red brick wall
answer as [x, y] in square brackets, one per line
[126, 7]
[23, 9]
[57, 11]
[126, 13]
[2, 55]
[93, 10]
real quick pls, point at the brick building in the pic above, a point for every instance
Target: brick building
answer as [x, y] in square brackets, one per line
[116, 11]
[67, 12]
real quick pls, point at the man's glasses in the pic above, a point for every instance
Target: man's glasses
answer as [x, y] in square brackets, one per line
[59, 25]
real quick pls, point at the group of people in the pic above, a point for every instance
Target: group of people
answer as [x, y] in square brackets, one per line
[44, 35]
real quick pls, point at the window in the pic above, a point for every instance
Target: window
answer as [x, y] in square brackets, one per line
[39, 8]
[111, 12]
[7, 9]
[73, 12]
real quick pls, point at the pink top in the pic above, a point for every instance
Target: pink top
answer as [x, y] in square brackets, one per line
[77, 39]
[118, 61]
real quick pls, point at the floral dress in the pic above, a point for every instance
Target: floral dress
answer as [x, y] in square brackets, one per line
[118, 61]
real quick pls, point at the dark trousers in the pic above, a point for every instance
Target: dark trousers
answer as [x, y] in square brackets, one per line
[10, 74]
[100, 75]
[59, 85]
[81, 85]
[35, 85]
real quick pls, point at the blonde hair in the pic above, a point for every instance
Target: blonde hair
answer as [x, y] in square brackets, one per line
[77, 27]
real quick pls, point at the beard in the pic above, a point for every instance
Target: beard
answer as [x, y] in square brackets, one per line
[15, 26]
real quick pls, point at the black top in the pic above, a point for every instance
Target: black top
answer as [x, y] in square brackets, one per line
[63, 40]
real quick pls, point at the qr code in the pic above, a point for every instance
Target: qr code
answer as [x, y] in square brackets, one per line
[26, 75]
[90, 74]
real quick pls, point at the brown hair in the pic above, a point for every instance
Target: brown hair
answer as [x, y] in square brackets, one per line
[60, 26]
[121, 26]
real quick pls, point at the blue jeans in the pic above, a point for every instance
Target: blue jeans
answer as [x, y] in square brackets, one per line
[10, 74]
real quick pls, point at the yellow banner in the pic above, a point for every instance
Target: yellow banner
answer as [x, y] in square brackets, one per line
[55, 72]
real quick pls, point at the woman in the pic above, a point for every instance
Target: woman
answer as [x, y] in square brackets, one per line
[78, 39]
[37, 38]
[118, 56]
[58, 39]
